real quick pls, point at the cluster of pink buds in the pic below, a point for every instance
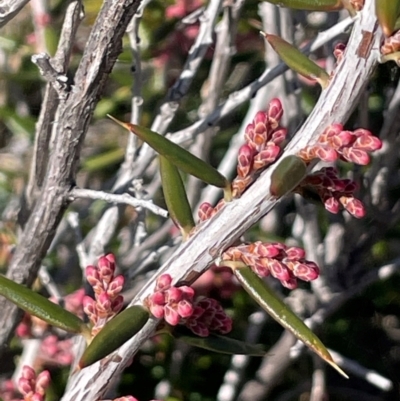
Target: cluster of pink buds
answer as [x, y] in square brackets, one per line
[287, 264]
[107, 288]
[177, 306]
[32, 387]
[333, 191]
[208, 315]
[264, 137]
[334, 143]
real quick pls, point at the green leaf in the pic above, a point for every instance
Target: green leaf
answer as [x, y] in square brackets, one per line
[273, 305]
[287, 175]
[298, 61]
[312, 5]
[180, 157]
[39, 306]
[175, 197]
[217, 343]
[115, 333]
[387, 12]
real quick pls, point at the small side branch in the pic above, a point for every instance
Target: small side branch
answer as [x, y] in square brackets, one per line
[118, 198]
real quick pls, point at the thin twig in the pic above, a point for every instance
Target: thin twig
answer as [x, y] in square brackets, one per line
[117, 198]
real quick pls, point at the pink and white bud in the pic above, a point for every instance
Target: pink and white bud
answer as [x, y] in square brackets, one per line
[245, 160]
[279, 136]
[115, 286]
[171, 316]
[92, 275]
[163, 282]
[295, 253]
[106, 266]
[275, 112]
[42, 382]
[185, 309]
[205, 211]
[278, 270]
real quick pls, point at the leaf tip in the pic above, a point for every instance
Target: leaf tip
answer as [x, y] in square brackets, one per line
[337, 368]
[121, 123]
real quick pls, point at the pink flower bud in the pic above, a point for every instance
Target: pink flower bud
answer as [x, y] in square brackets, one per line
[187, 292]
[294, 252]
[278, 270]
[157, 310]
[325, 154]
[245, 160]
[265, 250]
[368, 143]
[163, 282]
[106, 267]
[291, 284]
[173, 294]
[43, 381]
[116, 285]
[357, 156]
[205, 211]
[171, 316]
[354, 206]
[25, 386]
[28, 373]
[88, 304]
[275, 112]
[103, 302]
[185, 309]
[92, 275]
[261, 117]
[279, 136]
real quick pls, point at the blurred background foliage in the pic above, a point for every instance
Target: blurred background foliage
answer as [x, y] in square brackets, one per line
[366, 329]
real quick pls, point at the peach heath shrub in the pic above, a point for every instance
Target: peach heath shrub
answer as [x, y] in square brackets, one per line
[178, 306]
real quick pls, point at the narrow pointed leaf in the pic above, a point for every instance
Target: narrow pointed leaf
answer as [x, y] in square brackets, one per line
[387, 12]
[115, 333]
[39, 306]
[180, 157]
[217, 343]
[298, 61]
[312, 5]
[175, 197]
[287, 175]
[271, 303]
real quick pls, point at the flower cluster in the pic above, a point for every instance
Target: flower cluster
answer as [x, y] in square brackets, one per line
[334, 143]
[264, 138]
[107, 287]
[333, 191]
[177, 306]
[208, 315]
[32, 387]
[287, 264]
